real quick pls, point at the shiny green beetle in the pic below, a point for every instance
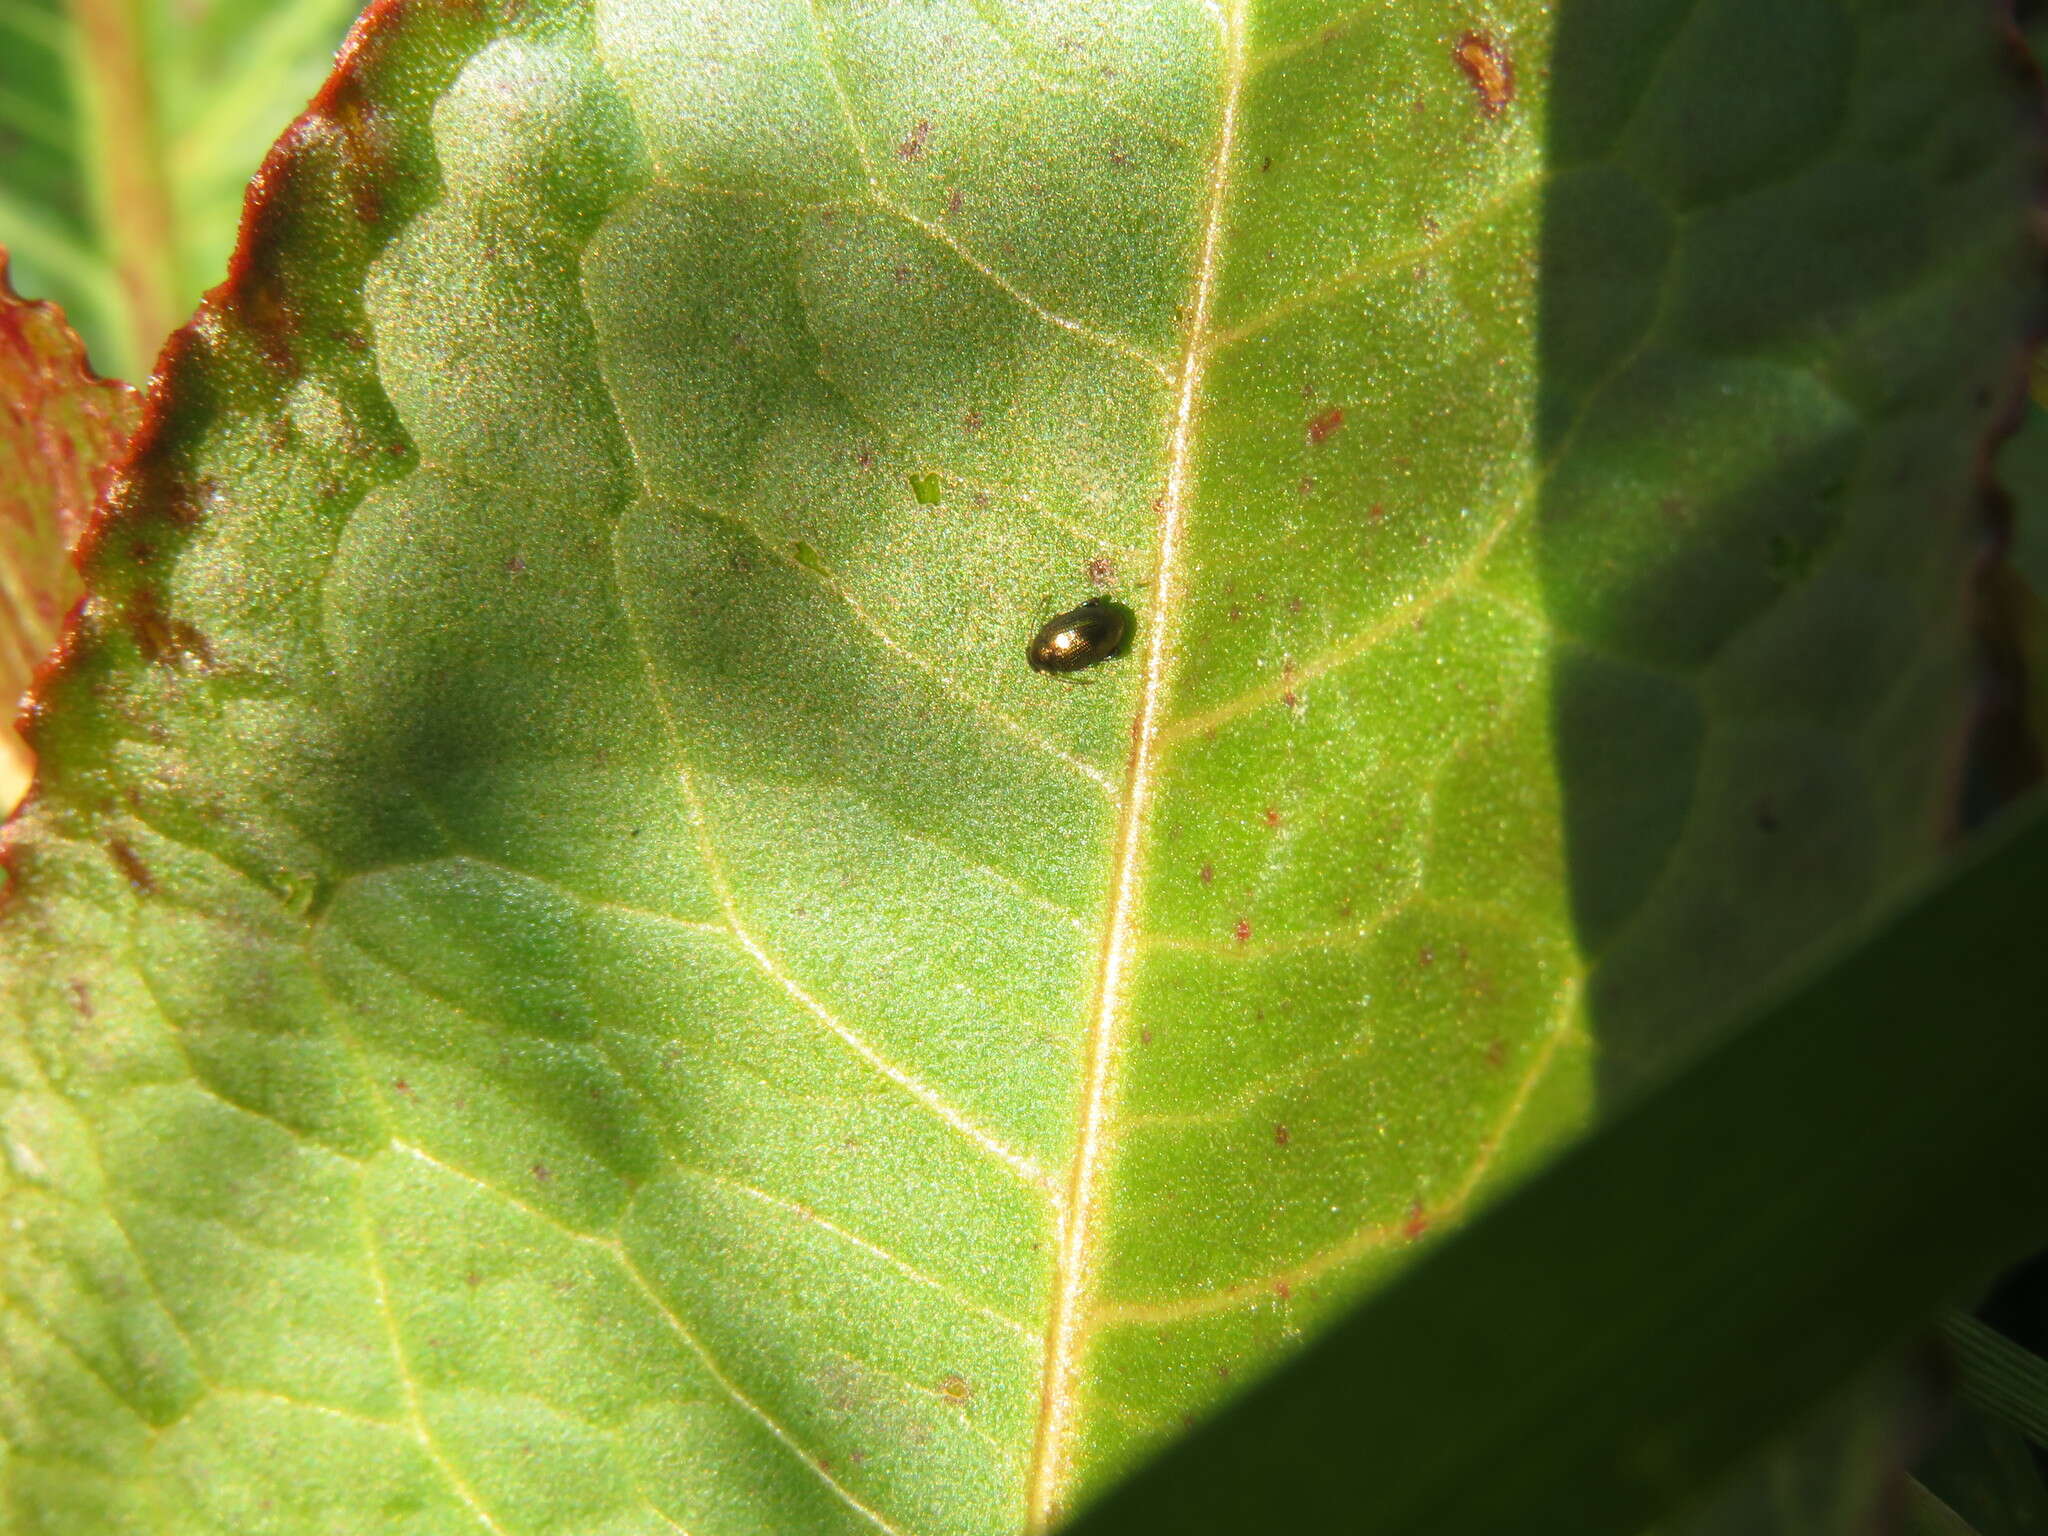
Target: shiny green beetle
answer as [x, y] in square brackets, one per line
[1081, 637]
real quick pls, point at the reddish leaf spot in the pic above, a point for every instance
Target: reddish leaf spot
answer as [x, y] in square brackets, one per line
[913, 146]
[1101, 571]
[131, 865]
[542, 1173]
[955, 201]
[1271, 816]
[1208, 874]
[1144, 1037]
[1243, 930]
[1307, 486]
[1325, 424]
[400, 1085]
[1282, 1289]
[161, 639]
[472, 1279]
[1496, 1053]
[514, 566]
[1375, 512]
[1489, 69]
[1282, 1136]
[972, 421]
[1417, 1222]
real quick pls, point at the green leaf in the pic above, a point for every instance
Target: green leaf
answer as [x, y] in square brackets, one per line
[1836, 1472]
[1988, 1475]
[1926, 1515]
[129, 129]
[2023, 473]
[2004, 1380]
[568, 974]
[59, 435]
[1665, 1294]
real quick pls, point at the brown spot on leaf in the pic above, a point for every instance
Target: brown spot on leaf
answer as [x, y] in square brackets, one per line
[913, 146]
[1282, 1136]
[541, 1173]
[1417, 1222]
[129, 862]
[1489, 69]
[1243, 931]
[955, 201]
[400, 1085]
[955, 1388]
[1208, 874]
[1271, 816]
[1425, 956]
[1101, 571]
[1320, 428]
[160, 638]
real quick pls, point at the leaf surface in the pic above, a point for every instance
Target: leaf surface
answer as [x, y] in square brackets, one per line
[1664, 1295]
[564, 957]
[60, 432]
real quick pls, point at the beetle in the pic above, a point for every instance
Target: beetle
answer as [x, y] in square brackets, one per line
[1081, 637]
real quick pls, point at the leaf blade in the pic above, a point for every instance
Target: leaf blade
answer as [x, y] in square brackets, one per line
[62, 433]
[1657, 1300]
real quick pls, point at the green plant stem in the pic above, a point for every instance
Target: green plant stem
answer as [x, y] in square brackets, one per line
[130, 188]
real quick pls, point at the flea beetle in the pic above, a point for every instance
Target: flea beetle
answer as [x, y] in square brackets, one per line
[1081, 637]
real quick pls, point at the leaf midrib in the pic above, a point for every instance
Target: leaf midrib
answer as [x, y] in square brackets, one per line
[1073, 1279]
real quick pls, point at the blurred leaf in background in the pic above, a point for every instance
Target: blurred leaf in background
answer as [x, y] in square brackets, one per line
[60, 430]
[128, 130]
